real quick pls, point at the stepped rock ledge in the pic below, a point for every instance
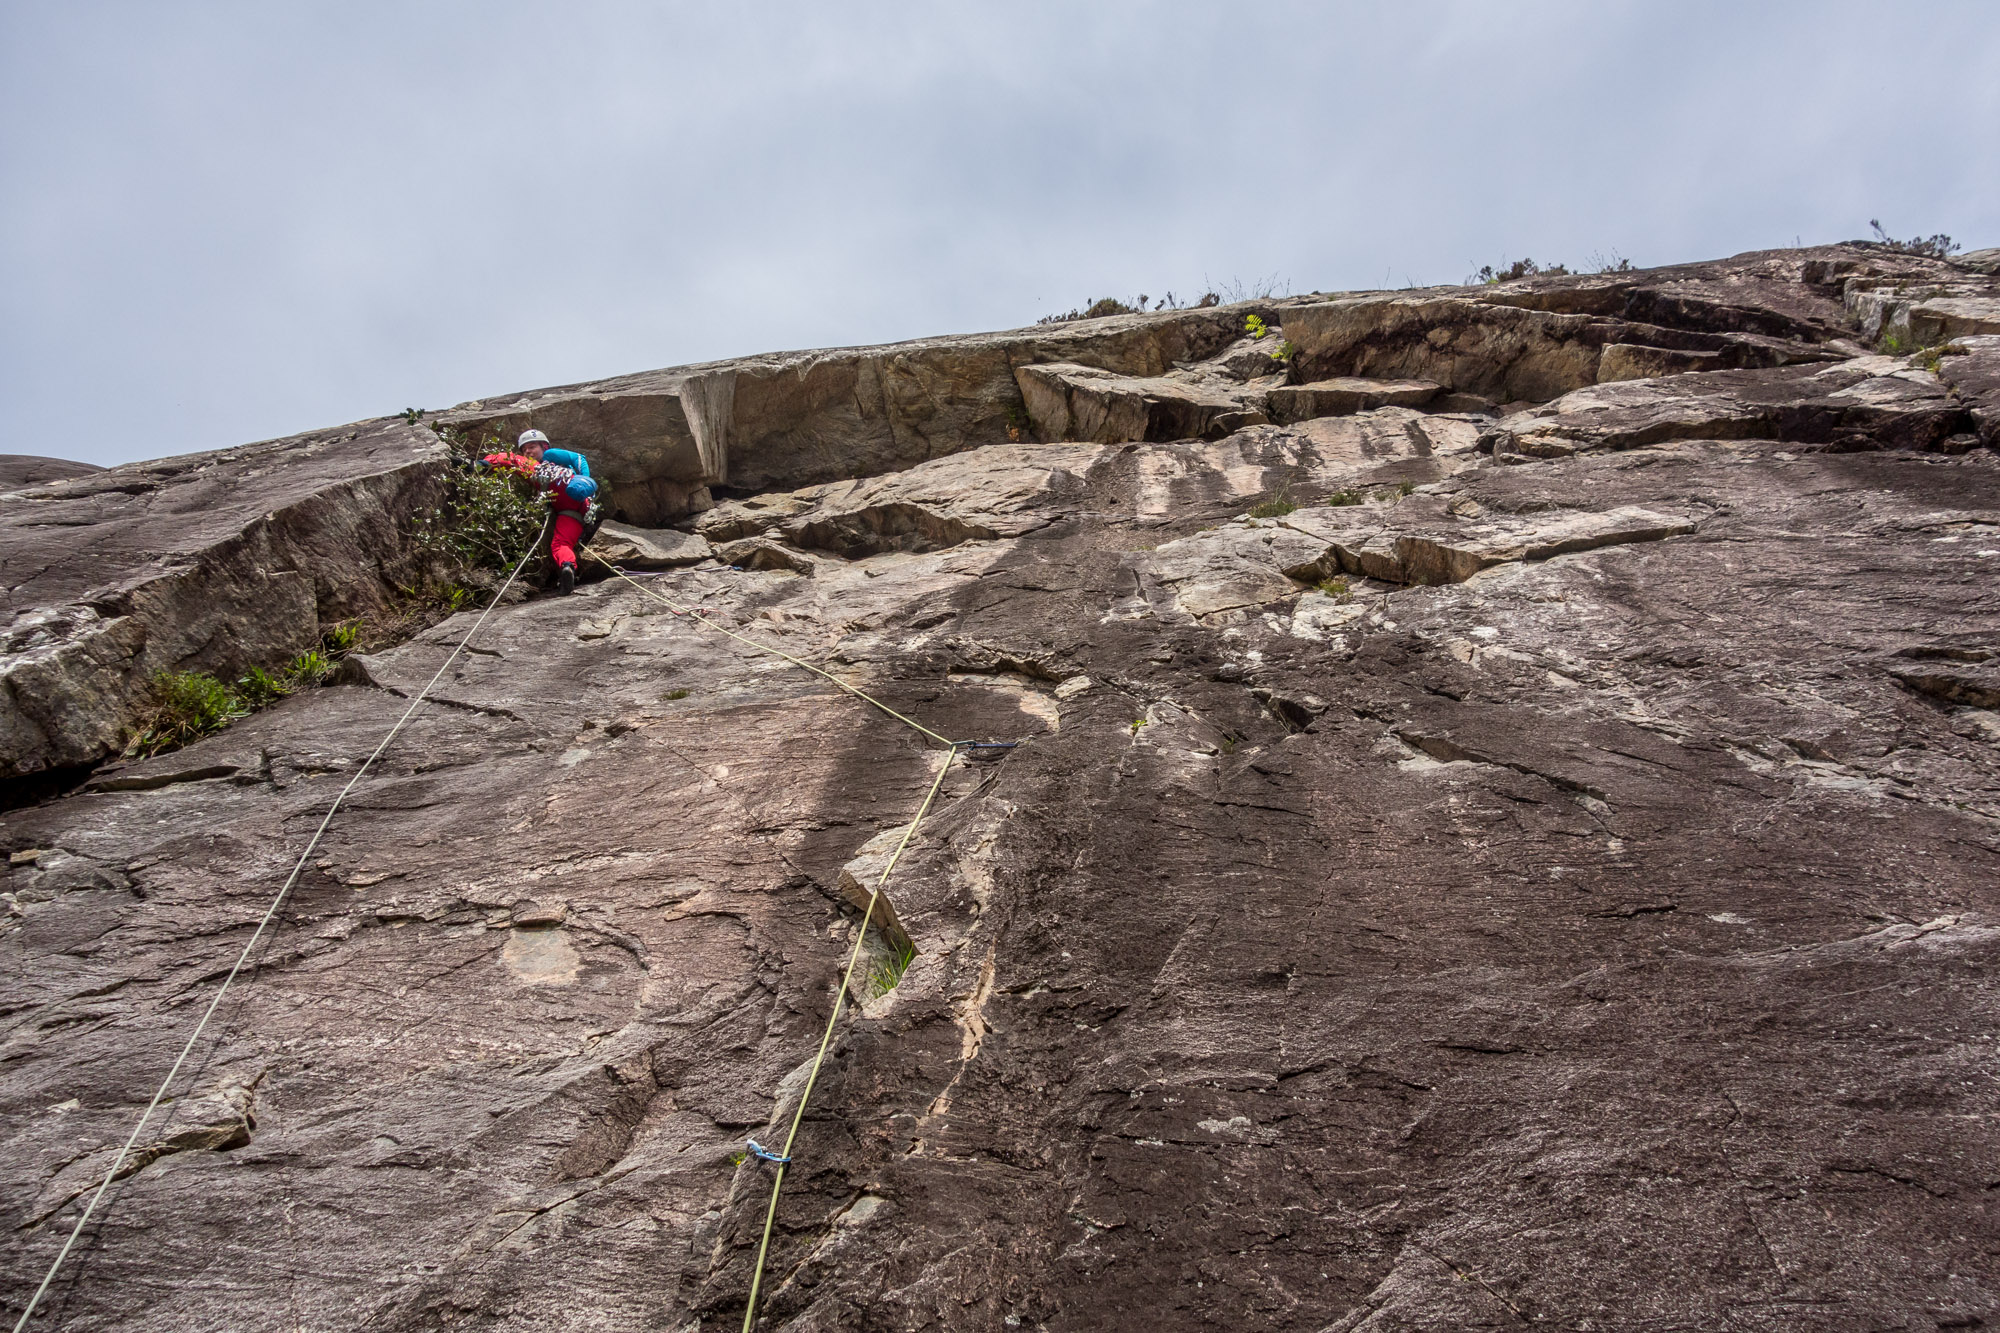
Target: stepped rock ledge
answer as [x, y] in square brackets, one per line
[1505, 833]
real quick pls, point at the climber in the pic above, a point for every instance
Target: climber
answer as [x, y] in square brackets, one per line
[564, 476]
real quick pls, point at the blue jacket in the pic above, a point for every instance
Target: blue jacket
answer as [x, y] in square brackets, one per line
[580, 487]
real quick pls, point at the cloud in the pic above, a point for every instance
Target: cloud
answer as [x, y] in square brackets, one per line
[228, 222]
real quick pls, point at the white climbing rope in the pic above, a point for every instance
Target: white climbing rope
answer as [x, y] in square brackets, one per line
[700, 619]
[270, 914]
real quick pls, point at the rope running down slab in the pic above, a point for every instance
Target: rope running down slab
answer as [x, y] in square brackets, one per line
[782, 1158]
[270, 913]
[784, 1154]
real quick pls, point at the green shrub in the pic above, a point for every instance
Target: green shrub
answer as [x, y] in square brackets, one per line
[1284, 351]
[487, 520]
[1333, 587]
[1254, 326]
[310, 667]
[1098, 309]
[1488, 275]
[1340, 498]
[192, 704]
[259, 688]
[675, 694]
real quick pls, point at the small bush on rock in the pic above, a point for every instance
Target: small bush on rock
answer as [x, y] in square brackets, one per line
[1019, 424]
[192, 704]
[1277, 506]
[1939, 246]
[488, 520]
[1098, 309]
[258, 688]
[1520, 268]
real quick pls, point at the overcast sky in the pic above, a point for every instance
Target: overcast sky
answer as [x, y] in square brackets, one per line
[221, 223]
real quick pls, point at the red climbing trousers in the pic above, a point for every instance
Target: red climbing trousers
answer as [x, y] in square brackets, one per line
[568, 527]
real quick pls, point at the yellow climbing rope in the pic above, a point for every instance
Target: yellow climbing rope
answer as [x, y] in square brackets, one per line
[783, 1156]
[826, 1039]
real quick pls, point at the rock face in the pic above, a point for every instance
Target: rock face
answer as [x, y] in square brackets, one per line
[18, 470]
[211, 561]
[762, 423]
[1460, 868]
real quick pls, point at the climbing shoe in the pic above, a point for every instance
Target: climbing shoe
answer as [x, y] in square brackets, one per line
[566, 580]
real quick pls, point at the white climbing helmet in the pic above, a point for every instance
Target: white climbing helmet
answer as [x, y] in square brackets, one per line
[529, 437]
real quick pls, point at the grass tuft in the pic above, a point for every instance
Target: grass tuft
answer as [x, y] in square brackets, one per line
[192, 704]
[1277, 506]
[887, 973]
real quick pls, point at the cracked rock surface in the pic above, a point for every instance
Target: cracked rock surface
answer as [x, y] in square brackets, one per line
[1542, 867]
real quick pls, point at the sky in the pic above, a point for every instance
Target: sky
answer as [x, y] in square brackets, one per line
[229, 222]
